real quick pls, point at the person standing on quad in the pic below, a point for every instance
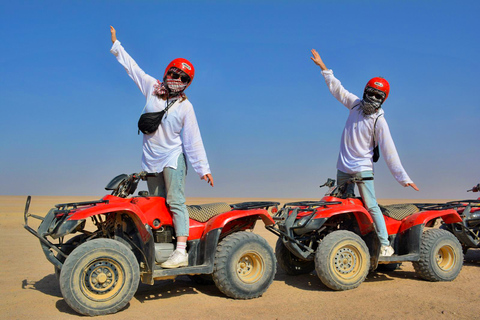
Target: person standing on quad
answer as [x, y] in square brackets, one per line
[163, 149]
[365, 125]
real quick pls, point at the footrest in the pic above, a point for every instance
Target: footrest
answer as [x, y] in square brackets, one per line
[398, 258]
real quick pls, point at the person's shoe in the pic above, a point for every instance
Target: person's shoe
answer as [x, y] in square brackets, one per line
[176, 259]
[386, 251]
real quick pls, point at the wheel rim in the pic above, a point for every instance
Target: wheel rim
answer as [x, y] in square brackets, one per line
[102, 279]
[446, 258]
[250, 267]
[347, 262]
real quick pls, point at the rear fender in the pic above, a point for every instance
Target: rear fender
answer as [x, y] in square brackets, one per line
[423, 217]
[220, 221]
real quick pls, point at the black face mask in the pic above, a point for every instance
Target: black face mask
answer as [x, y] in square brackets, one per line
[372, 100]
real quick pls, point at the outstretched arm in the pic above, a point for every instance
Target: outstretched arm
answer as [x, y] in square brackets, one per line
[318, 61]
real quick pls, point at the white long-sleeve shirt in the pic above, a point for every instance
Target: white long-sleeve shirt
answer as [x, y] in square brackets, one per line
[356, 148]
[162, 148]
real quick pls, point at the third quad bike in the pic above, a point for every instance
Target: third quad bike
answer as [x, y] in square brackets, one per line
[467, 231]
[336, 237]
[99, 267]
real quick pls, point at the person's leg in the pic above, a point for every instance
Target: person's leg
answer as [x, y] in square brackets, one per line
[175, 188]
[156, 185]
[342, 178]
[367, 192]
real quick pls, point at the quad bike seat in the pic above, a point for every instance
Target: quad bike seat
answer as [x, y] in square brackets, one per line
[399, 211]
[203, 212]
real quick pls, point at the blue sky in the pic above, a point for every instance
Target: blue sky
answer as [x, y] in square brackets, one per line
[269, 124]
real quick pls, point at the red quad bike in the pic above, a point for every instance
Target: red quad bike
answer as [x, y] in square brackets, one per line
[99, 270]
[336, 237]
[468, 230]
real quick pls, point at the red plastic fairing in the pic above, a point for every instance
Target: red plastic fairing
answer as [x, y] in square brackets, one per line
[196, 229]
[222, 219]
[392, 225]
[351, 205]
[449, 216]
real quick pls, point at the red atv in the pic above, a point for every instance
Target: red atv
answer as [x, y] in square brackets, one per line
[99, 269]
[467, 231]
[336, 237]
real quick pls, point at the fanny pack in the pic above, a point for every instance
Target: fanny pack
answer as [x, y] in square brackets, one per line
[150, 121]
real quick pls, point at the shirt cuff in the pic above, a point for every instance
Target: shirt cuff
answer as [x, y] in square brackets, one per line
[115, 47]
[327, 72]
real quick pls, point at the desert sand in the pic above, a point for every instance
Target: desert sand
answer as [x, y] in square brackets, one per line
[29, 289]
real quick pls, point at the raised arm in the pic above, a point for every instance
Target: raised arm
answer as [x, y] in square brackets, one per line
[144, 81]
[346, 98]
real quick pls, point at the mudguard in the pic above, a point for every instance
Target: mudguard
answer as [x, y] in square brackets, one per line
[422, 217]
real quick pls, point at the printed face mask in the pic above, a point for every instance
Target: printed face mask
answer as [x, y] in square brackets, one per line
[372, 100]
[175, 85]
[374, 97]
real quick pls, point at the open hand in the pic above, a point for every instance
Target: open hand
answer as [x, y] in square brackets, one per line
[318, 61]
[114, 34]
[413, 185]
[208, 178]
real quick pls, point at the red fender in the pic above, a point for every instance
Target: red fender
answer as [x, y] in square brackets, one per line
[353, 206]
[449, 216]
[221, 220]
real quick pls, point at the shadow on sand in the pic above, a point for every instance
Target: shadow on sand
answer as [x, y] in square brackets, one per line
[311, 281]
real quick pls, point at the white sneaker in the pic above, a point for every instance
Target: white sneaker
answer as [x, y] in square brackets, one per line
[176, 259]
[386, 251]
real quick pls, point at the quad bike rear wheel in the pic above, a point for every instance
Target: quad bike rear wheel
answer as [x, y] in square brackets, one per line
[244, 265]
[291, 264]
[99, 277]
[441, 257]
[342, 260]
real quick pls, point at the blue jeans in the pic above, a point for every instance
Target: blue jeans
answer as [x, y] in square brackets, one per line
[170, 184]
[367, 192]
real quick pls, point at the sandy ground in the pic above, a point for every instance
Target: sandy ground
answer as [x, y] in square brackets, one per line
[29, 289]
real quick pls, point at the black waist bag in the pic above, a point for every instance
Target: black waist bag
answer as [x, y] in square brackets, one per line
[150, 121]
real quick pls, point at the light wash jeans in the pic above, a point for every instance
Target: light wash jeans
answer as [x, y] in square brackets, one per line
[367, 192]
[170, 184]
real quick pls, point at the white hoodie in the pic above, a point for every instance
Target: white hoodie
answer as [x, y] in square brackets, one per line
[162, 148]
[356, 148]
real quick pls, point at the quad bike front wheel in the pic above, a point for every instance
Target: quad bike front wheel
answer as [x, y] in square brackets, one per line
[99, 277]
[342, 260]
[67, 248]
[291, 264]
[244, 265]
[441, 257]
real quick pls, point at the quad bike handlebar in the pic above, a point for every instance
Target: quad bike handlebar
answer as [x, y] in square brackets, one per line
[124, 185]
[475, 188]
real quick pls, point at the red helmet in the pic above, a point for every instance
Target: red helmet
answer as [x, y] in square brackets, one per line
[379, 84]
[184, 65]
